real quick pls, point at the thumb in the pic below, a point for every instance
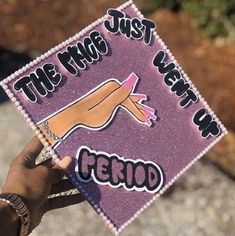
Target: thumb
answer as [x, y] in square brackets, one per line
[60, 167]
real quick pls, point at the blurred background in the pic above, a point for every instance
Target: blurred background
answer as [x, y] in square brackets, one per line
[201, 35]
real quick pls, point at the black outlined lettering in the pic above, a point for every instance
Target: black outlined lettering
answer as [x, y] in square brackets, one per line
[136, 28]
[131, 28]
[190, 98]
[90, 50]
[76, 56]
[149, 27]
[174, 80]
[23, 85]
[115, 171]
[125, 27]
[65, 59]
[206, 124]
[86, 167]
[51, 73]
[117, 15]
[43, 80]
[171, 77]
[180, 87]
[99, 43]
[159, 62]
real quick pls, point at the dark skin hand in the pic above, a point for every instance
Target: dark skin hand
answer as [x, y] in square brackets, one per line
[34, 183]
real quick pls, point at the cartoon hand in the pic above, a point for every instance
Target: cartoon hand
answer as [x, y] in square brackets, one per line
[99, 107]
[96, 109]
[142, 113]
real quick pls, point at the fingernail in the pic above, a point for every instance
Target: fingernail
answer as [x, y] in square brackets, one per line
[65, 162]
[148, 123]
[149, 109]
[152, 116]
[142, 97]
[131, 82]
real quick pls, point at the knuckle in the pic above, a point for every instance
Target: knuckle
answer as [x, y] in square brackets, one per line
[13, 162]
[114, 83]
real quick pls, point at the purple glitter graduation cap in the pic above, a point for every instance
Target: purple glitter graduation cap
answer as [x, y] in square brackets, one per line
[114, 97]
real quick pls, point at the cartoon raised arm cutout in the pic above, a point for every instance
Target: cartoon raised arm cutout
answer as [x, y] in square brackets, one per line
[97, 108]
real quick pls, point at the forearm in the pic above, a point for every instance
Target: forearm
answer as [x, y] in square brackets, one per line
[9, 220]
[60, 123]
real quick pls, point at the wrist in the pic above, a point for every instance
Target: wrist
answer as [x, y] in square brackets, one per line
[61, 123]
[15, 207]
[9, 219]
[65, 120]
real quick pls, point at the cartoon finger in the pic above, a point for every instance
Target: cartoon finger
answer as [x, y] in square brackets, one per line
[104, 110]
[146, 108]
[100, 94]
[131, 82]
[139, 112]
[138, 97]
[119, 95]
[106, 89]
[148, 112]
[134, 110]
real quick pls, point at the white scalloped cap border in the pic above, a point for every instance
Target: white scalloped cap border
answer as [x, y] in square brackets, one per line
[98, 209]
